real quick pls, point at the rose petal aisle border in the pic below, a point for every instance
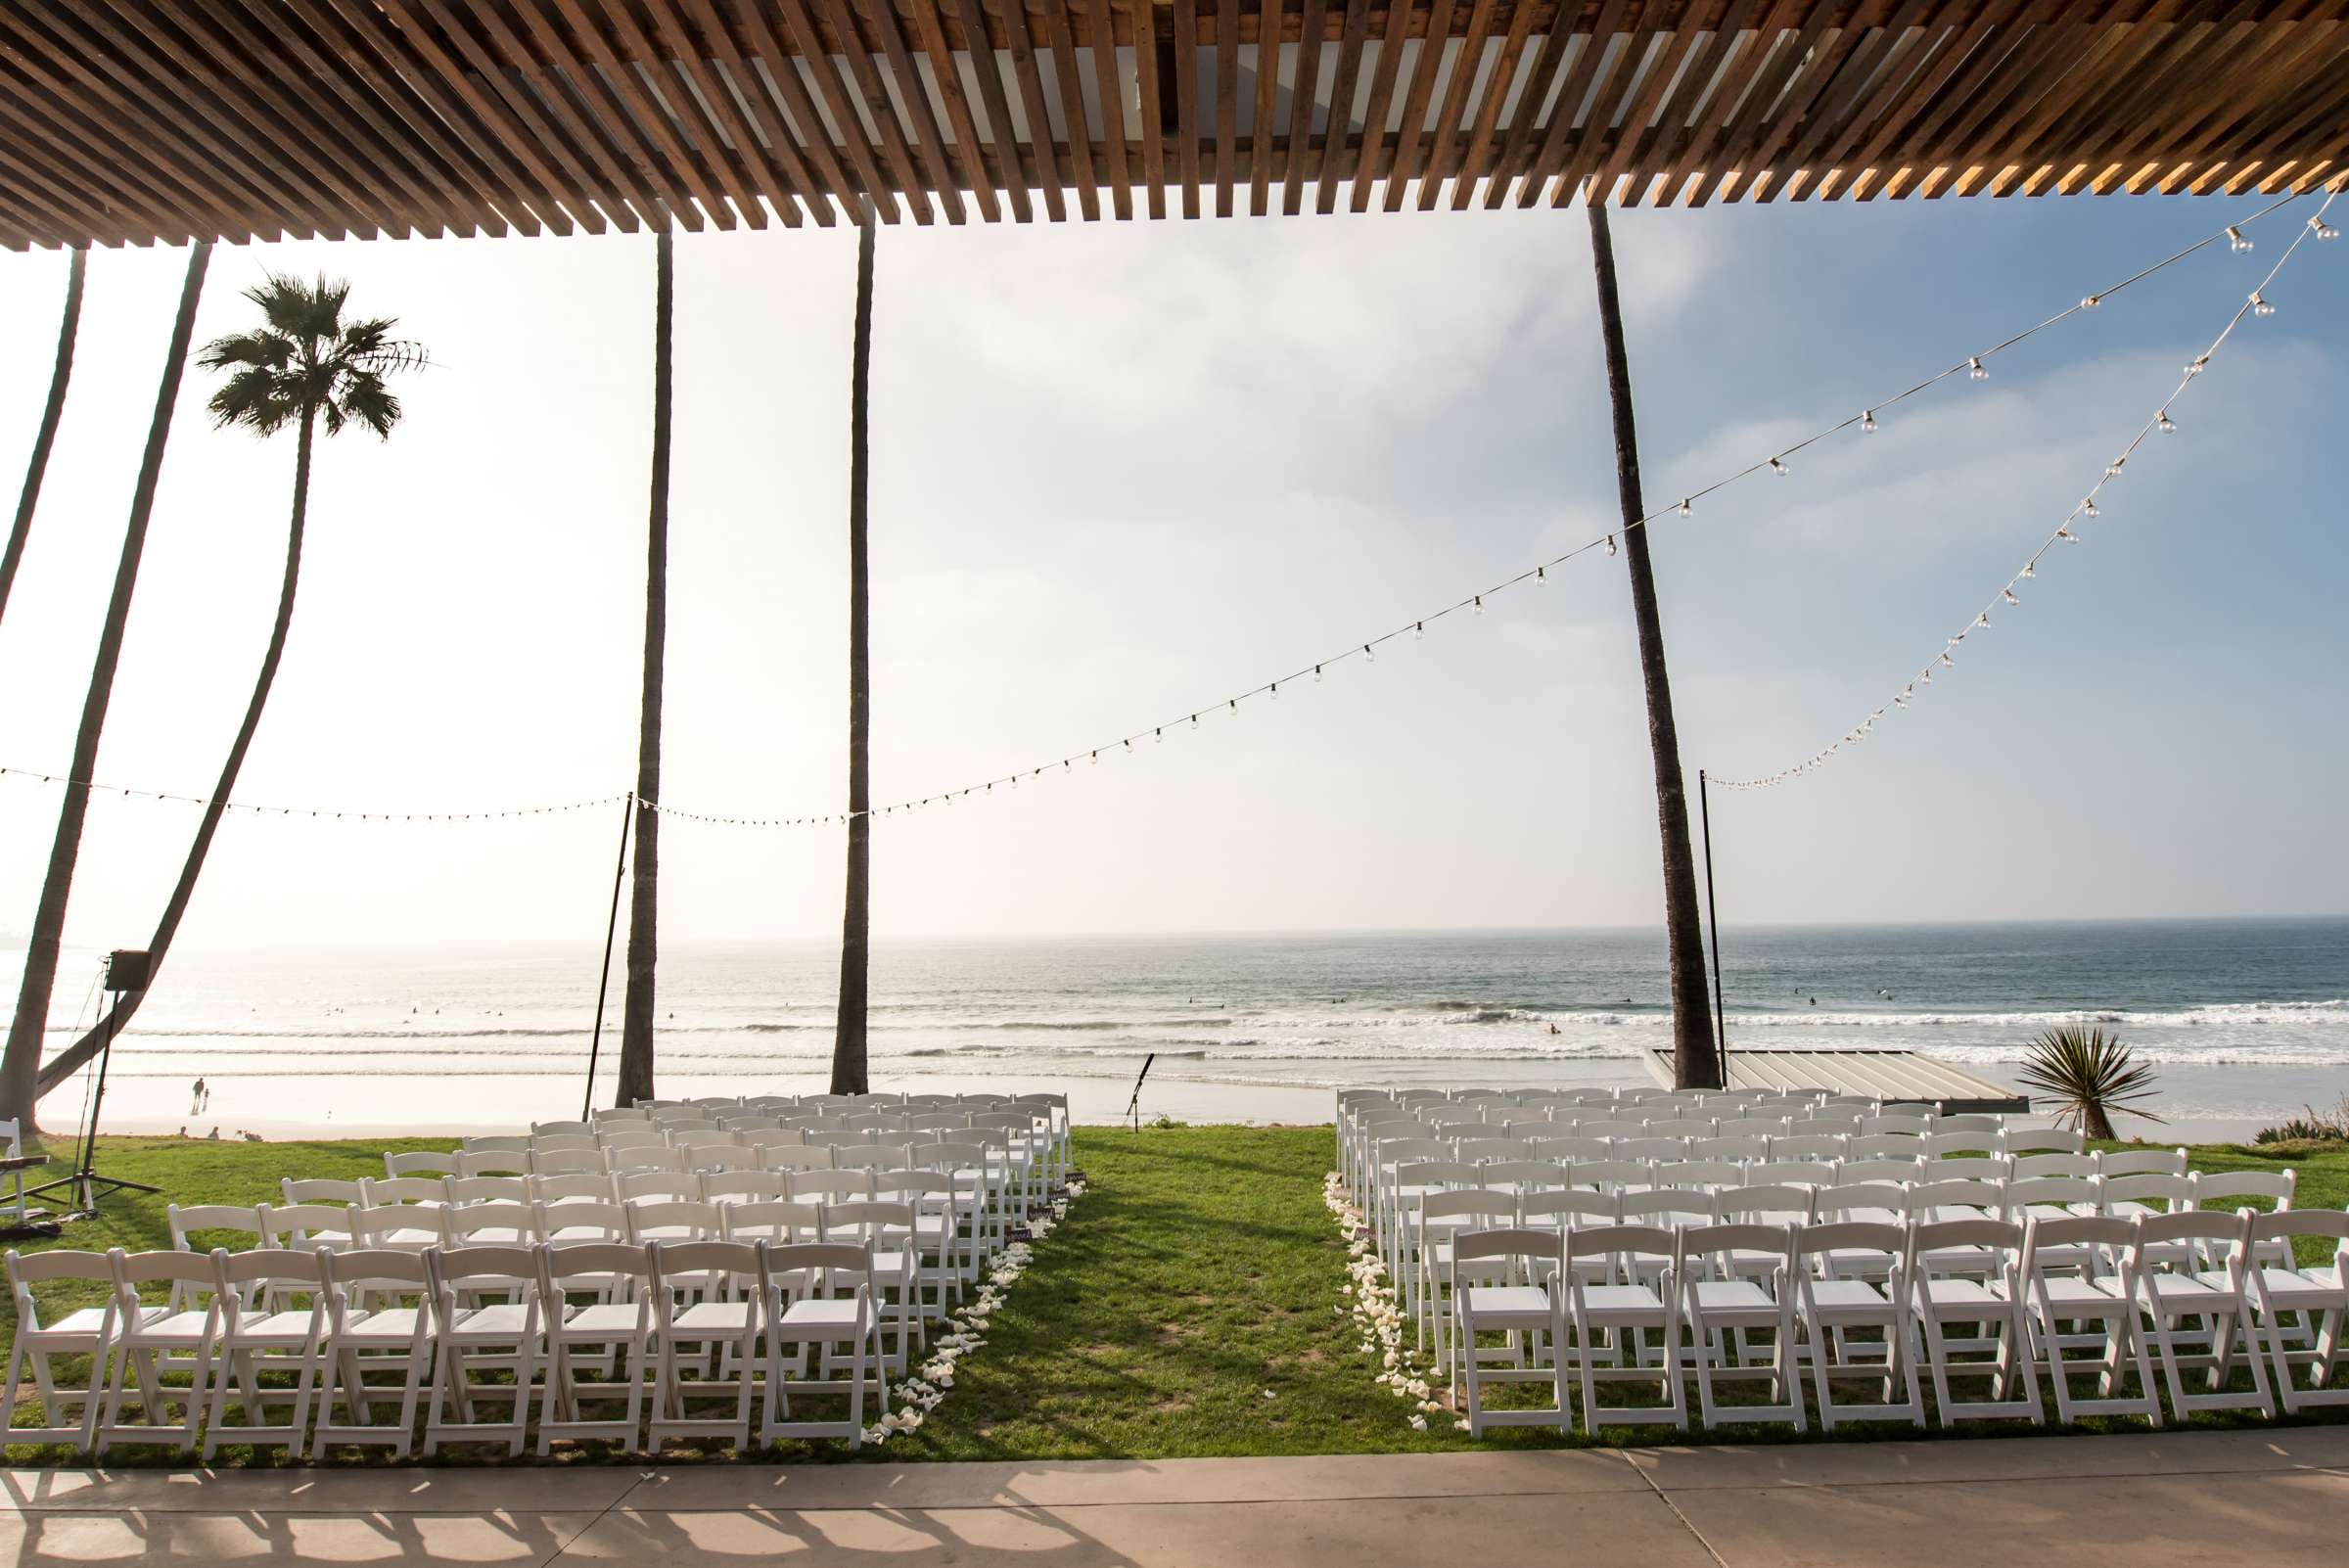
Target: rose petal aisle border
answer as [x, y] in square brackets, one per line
[965, 1331]
[1370, 1295]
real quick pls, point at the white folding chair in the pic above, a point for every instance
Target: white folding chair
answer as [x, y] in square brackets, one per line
[506, 1335]
[87, 1332]
[1738, 1281]
[1638, 1292]
[1986, 1294]
[1439, 1218]
[1853, 1275]
[419, 1163]
[705, 1295]
[273, 1319]
[598, 1296]
[2220, 1297]
[2066, 1286]
[379, 1322]
[821, 1330]
[2140, 1162]
[891, 1269]
[2317, 1294]
[184, 1334]
[1496, 1287]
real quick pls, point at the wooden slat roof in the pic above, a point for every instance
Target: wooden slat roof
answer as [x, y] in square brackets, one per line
[142, 120]
[1895, 1077]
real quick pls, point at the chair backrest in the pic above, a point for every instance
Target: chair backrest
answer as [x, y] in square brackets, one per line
[298, 1225]
[1752, 1126]
[545, 1129]
[494, 1145]
[356, 1269]
[1480, 1151]
[1969, 1167]
[643, 1136]
[721, 1157]
[646, 1156]
[1927, 1196]
[1769, 1205]
[2029, 1166]
[704, 1139]
[1896, 1121]
[579, 1223]
[1698, 1174]
[701, 1219]
[1668, 1206]
[570, 1162]
[774, 1137]
[1790, 1174]
[563, 1143]
[1439, 1174]
[816, 1268]
[1447, 1209]
[459, 1225]
[1520, 1254]
[1613, 1174]
[1525, 1175]
[1566, 1206]
[2177, 1192]
[698, 1266]
[377, 1225]
[1884, 1146]
[1969, 1122]
[421, 1162]
[1740, 1147]
[2052, 1192]
[2003, 1236]
[2214, 1187]
[1728, 1247]
[514, 1269]
[865, 1218]
[489, 1190]
[1808, 1146]
[872, 1157]
[2287, 1226]
[131, 1270]
[593, 1268]
[656, 1184]
[1572, 1147]
[2232, 1230]
[1826, 1245]
[1830, 1204]
[320, 1189]
[1848, 1171]
[796, 1157]
[250, 1226]
[829, 1186]
[26, 1270]
[473, 1164]
[744, 1186]
[284, 1273]
[403, 1190]
[771, 1220]
[1650, 1148]
[1621, 1241]
[584, 1187]
[2055, 1240]
[2033, 1139]
[2140, 1162]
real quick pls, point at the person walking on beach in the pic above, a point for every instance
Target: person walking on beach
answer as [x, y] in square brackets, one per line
[202, 1098]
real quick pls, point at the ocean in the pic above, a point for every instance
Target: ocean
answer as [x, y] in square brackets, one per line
[2242, 1019]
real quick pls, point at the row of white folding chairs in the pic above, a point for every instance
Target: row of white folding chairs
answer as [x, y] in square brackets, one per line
[1051, 1107]
[1443, 1200]
[1041, 1152]
[344, 1333]
[1692, 1136]
[1613, 1302]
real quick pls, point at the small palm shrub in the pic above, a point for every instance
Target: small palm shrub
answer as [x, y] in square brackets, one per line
[2317, 1126]
[2088, 1075]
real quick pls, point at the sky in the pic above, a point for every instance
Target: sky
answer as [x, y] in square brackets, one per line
[1122, 471]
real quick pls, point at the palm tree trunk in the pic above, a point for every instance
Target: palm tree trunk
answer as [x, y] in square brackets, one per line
[644, 894]
[1695, 1061]
[69, 1061]
[19, 1066]
[38, 468]
[850, 1071]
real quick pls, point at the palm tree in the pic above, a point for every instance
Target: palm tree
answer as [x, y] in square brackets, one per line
[306, 366]
[644, 901]
[2086, 1076]
[38, 468]
[1695, 1054]
[20, 1066]
[850, 1073]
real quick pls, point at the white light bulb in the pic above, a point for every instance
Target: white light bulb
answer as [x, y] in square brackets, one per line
[1369, 654]
[2030, 569]
[1418, 632]
[2067, 535]
[1976, 369]
[1480, 604]
[1274, 691]
[1947, 661]
[2088, 301]
[1867, 421]
[1926, 677]
[2195, 366]
[1686, 508]
[2324, 230]
[2261, 305]
[2236, 240]
[2087, 508]
[2008, 594]
[2112, 470]
[1778, 467]
[1540, 576]
[1316, 675]
[1610, 544]
[1982, 619]
[2168, 426]
[1194, 721]
[1158, 736]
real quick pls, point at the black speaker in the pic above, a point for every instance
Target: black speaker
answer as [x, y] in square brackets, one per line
[127, 969]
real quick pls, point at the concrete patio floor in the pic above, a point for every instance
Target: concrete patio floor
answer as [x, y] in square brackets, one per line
[2270, 1498]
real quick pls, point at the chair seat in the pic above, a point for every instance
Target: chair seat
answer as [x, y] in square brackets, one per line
[831, 1311]
[287, 1330]
[1511, 1300]
[503, 1321]
[615, 1317]
[394, 1325]
[2174, 1287]
[83, 1322]
[2065, 1291]
[1606, 1301]
[1846, 1293]
[1964, 1292]
[1734, 1295]
[713, 1317]
[177, 1328]
[2289, 1288]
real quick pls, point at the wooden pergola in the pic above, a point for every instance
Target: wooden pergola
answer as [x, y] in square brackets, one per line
[135, 121]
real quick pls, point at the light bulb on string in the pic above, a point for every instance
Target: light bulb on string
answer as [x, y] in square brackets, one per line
[1867, 421]
[1316, 675]
[1194, 721]
[2088, 301]
[1274, 691]
[2261, 305]
[2236, 240]
[1418, 632]
[1158, 736]
[1778, 467]
[2030, 570]
[1369, 654]
[1096, 757]
[2193, 366]
[1684, 507]
[1540, 576]
[1976, 369]
[2008, 594]
[2067, 535]
[2325, 230]
[1479, 603]
[1945, 661]
[2087, 508]
[1982, 619]
[1610, 544]
[2112, 470]
[2166, 425]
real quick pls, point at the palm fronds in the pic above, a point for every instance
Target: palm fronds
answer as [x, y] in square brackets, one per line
[2088, 1075]
[307, 360]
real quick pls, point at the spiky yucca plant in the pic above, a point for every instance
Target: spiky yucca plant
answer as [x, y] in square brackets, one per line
[2088, 1077]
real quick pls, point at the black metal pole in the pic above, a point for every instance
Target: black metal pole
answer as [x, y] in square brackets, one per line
[603, 983]
[1721, 1015]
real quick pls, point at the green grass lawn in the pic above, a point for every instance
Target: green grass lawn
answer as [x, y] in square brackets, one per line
[1188, 1305]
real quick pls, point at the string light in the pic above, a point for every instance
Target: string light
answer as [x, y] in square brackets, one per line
[2322, 229]
[1610, 544]
[2088, 301]
[1976, 369]
[2236, 240]
[2261, 305]
[1684, 507]
[1778, 467]
[1867, 421]
[2160, 421]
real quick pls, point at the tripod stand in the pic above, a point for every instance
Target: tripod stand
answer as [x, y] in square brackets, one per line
[125, 972]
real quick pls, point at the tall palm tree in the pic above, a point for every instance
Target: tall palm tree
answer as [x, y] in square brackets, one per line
[1696, 1056]
[644, 902]
[850, 1071]
[20, 1065]
[37, 469]
[306, 366]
